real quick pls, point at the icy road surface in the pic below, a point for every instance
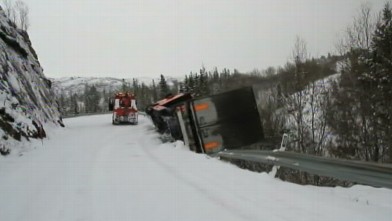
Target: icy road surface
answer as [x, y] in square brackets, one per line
[94, 171]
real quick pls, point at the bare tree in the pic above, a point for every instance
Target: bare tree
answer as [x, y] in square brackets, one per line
[300, 51]
[23, 13]
[7, 7]
[18, 13]
[359, 34]
[318, 100]
[296, 102]
[9, 10]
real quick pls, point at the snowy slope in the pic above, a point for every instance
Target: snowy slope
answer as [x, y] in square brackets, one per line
[25, 94]
[92, 170]
[314, 102]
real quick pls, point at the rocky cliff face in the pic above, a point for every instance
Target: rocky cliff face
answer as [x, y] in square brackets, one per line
[27, 103]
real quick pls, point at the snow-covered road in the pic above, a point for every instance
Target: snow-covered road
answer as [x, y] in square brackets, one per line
[92, 170]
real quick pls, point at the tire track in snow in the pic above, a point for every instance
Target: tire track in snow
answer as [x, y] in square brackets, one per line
[216, 199]
[108, 165]
[113, 177]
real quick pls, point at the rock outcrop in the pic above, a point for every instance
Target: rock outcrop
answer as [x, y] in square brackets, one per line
[27, 103]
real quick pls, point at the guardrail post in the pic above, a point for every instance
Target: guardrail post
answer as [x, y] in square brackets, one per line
[284, 142]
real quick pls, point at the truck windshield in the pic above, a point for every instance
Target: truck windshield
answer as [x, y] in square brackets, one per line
[125, 102]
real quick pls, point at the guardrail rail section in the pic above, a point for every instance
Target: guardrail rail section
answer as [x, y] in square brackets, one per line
[373, 174]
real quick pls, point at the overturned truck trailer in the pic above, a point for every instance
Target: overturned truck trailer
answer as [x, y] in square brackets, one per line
[210, 124]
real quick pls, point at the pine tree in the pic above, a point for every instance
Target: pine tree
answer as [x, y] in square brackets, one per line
[124, 86]
[381, 60]
[186, 84]
[203, 83]
[87, 103]
[94, 99]
[215, 81]
[164, 88]
[191, 83]
[105, 96]
[196, 88]
[380, 79]
[144, 96]
[135, 86]
[74, 104]
[154, 92]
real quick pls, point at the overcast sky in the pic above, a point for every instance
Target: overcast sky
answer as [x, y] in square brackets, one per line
[135, 38]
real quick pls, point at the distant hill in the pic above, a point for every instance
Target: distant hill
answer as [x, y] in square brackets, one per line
[71, 85]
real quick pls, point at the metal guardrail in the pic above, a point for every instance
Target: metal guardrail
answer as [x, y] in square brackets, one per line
[373, 174]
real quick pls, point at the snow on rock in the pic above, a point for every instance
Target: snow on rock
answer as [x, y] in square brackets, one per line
[27, 103]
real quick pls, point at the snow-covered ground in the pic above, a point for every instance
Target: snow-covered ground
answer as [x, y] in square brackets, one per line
[92, 170]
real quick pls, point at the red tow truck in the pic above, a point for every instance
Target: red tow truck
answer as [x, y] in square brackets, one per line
[124, 108]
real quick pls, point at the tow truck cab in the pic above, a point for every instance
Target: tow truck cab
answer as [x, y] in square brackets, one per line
[123, 106]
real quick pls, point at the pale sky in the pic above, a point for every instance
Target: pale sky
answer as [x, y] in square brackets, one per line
[146, 38]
